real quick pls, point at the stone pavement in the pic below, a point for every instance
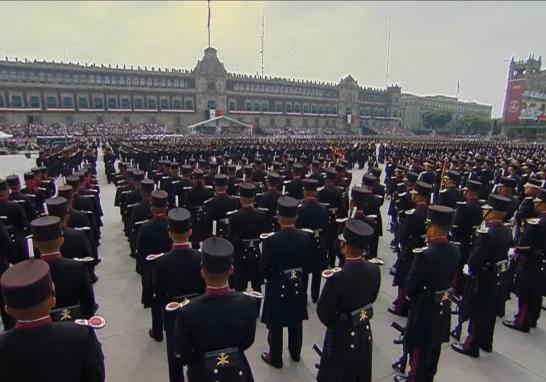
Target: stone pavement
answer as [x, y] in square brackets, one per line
[132, 356]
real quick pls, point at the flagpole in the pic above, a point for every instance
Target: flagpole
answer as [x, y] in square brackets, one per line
[208, 23]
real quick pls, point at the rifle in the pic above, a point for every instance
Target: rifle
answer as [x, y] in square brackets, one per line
[401, 363]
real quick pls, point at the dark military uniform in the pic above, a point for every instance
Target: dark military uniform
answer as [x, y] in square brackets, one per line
[345, 307]
[219, 206]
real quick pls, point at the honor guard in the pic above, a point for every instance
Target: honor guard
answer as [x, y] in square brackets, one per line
[213, 331]
[68, 352]
[451, 195]
[25, 201]
[219, 206]
[412, 237]
[526, 209]
[79, 219]
[428, 289]
[140, 213]
[294, 187]
[345, 308]
[73, 289]
[506, 188]
[360, 196]
[194, 201]
[286, 260]
[269, 199]
[487, 265]
[13, 217]
[176, 278]
[153, 238]
[313, 215]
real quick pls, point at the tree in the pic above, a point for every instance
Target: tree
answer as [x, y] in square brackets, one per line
[473, 124]
[435, 119]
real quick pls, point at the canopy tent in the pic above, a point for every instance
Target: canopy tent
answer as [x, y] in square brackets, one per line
[219, 123]
[4, 136]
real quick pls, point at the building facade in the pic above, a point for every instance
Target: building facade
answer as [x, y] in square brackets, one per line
[413, 107]
[44, 92]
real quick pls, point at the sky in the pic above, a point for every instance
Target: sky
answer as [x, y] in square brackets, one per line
[433, 45]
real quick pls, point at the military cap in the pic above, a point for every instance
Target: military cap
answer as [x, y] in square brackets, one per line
[310, 184]
[541, 198]
[440, 215]
[147, 185]
[231, 168]
[248, 170]
[3, 185]
[276, 164]
[28, 176]
[138, 175]
[247, 190]
[497, 202]
[159, 198]
[375, 171]
[220, 180]
[198, 173]
[454, 175]
[298, 168]
[73, 180]
[356, 233]
[46, 228]
[213, 164]
[217, 255]
[422, 188]
[339, 167]
[185, 169]
[287, 206]
[315, 163]
[508, 181]
[331, 173]
[358, 194]
[174, 165]
[473, 185]
[57, 206]
[533, 182]
[13, 180]
[273, 177]
[412, 176]
[179, 220]
[369, 180]
[26, 284]
[65, 191]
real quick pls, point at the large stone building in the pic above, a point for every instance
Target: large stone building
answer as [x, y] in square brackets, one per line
[413, 107]
[46, 92]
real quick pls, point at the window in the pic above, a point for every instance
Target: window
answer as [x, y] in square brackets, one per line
[297, 108]
[83, 103]
[361, 111]
[164, 103]
[306, 108]
[149, 82]
[16, 101]
[348, 110]
[278, 107]
[98, 103]
[163, 83]
[34, 101]
[67, 102]
[328, 109]
[51, 102]
[248, 106]
[2, 101]
[334, 109]
[76, 78]
[99, 80]
[107, 80]
[176, 83]
[122, 81]
[256, 106]
[113, 80]
[314, 109]
[169, 83]
[232, 105]
[125, 103]
[92, 80]
[265, 106]
[289, 107]
[139, 103]
[211, 104]
[142, 82]
[152, 103]
[321, 109]
[112, 103]
[188, 104]
[177, 104]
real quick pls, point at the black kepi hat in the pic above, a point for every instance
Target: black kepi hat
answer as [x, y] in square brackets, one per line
[356, 233]
[46, 228]
[26, 284]
[217, 255]
[179, 220]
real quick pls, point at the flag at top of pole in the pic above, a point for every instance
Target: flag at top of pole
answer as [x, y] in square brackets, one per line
[208, 22]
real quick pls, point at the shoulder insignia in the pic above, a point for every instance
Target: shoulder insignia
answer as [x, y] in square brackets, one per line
[87, 259]
[330, 272]
[341, 220]
[419, 250]
[172, 306]
[229, 213]
[267, 235]
[533, 221]
[402, 194]
[153, 257]
[310, 231]
[95, 322]
[254, 294]
[443, 191]
[482, 230]
[461, 203]
[410, 212]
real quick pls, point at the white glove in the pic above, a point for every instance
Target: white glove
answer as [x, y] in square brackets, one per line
[466, 270]
[511, 253]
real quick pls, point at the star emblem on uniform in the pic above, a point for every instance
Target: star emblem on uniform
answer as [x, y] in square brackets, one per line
[222, 359]
[445, 296]
[293, 275]
[503, 268]
[65, 315]
[363, 315]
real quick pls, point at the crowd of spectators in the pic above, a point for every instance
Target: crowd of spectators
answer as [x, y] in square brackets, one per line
[93, 130]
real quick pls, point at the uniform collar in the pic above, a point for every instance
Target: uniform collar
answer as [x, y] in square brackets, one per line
[217, 291]
[179, 246]
[32, 324]
[353, 260]
[50, 256]
[438, 240]
[287, 227]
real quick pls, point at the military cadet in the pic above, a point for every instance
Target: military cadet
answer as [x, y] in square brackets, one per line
[152, 238]
[345, 308]
[269, 199]
[487, 264]
[135, 196]
[245, 228]
[360, 197]
[316, 174]
[73, 289]
[506, 188]
[294, 187]
[313, 215]
[183, 184]
[15, 221]
[65, 352]
[79, 219]
[372, 204]
[412, 237]
[6, 258]
[76, 245]
[428, 288]
[212, 331]
[526, 209]
[530, 270]
[31, 189]
[219, 206]
[26, 201]
[468, 218]
[286, 259]
[83, 203]
[194, 201]
[169, 285]
[141, 212]
[450, 195]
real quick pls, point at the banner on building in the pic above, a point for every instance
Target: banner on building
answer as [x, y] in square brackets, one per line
[523, 105]
[514, 97]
